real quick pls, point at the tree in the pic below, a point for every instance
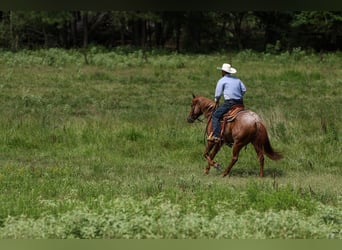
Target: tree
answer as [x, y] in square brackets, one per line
[232, 29]
[324, 26]
[195, 29]
[199, 31]
[33, 28]
[168, 27]
[275, 25]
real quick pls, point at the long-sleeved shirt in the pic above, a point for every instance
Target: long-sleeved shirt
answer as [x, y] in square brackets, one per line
[230, 87]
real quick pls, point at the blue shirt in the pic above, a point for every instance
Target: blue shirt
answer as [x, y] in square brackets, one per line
[230, 87]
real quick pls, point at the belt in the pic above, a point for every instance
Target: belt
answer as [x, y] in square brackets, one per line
[235, 100]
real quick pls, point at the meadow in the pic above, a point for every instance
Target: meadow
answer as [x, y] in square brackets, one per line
[97, 146]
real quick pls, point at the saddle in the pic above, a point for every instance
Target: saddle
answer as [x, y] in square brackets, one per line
[229, 117]
[232, 113]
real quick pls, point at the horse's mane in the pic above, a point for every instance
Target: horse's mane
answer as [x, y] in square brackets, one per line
[207, 104]
[206, 101]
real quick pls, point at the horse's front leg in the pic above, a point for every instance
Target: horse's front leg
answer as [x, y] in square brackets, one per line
[213, 148]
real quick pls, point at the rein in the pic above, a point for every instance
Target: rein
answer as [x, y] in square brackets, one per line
[205, 134]
[209, 109]
[198, 119]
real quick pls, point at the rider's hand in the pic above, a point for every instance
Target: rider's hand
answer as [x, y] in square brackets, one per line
[216, 104]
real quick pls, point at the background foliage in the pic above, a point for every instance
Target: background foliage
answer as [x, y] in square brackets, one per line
[194, 31]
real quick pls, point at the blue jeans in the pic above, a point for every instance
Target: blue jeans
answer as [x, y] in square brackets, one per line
[220, 111]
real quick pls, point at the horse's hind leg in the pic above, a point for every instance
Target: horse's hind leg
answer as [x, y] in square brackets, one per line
[236, 150]
[260, 153]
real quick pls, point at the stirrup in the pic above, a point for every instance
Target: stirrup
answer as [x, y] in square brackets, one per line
[213, 138]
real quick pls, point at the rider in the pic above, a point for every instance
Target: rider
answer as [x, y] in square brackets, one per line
[232, 89]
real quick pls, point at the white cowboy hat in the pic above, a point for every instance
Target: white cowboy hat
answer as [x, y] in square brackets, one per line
[227, 68]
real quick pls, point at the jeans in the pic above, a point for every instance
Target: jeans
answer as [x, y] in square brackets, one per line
[220, 111]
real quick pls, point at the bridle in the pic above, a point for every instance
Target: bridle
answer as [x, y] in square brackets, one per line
[191, 119]
[197, 119]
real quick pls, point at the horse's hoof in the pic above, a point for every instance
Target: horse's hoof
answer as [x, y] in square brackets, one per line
[218, 167]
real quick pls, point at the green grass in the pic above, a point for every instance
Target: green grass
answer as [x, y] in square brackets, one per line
[104, 150]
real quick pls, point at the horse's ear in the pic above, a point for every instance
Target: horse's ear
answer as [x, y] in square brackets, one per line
[193, 95]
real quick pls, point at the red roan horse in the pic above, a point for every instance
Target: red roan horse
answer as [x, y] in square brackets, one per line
[244, 129]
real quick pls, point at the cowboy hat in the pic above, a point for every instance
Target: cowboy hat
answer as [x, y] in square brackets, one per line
[227, 68]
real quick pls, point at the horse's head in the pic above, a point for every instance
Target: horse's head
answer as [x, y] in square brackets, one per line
[195, 111]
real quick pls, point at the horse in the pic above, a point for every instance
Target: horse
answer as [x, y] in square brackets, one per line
[245, 128]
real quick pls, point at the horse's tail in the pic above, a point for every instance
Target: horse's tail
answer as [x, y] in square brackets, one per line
[263, 141]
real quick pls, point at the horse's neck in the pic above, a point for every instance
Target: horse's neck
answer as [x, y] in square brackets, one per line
[207, 114]
[208, 108]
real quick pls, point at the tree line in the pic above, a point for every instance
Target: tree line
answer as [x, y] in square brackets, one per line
[192, 31]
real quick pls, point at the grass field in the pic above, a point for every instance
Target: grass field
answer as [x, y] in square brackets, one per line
[103, 150]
